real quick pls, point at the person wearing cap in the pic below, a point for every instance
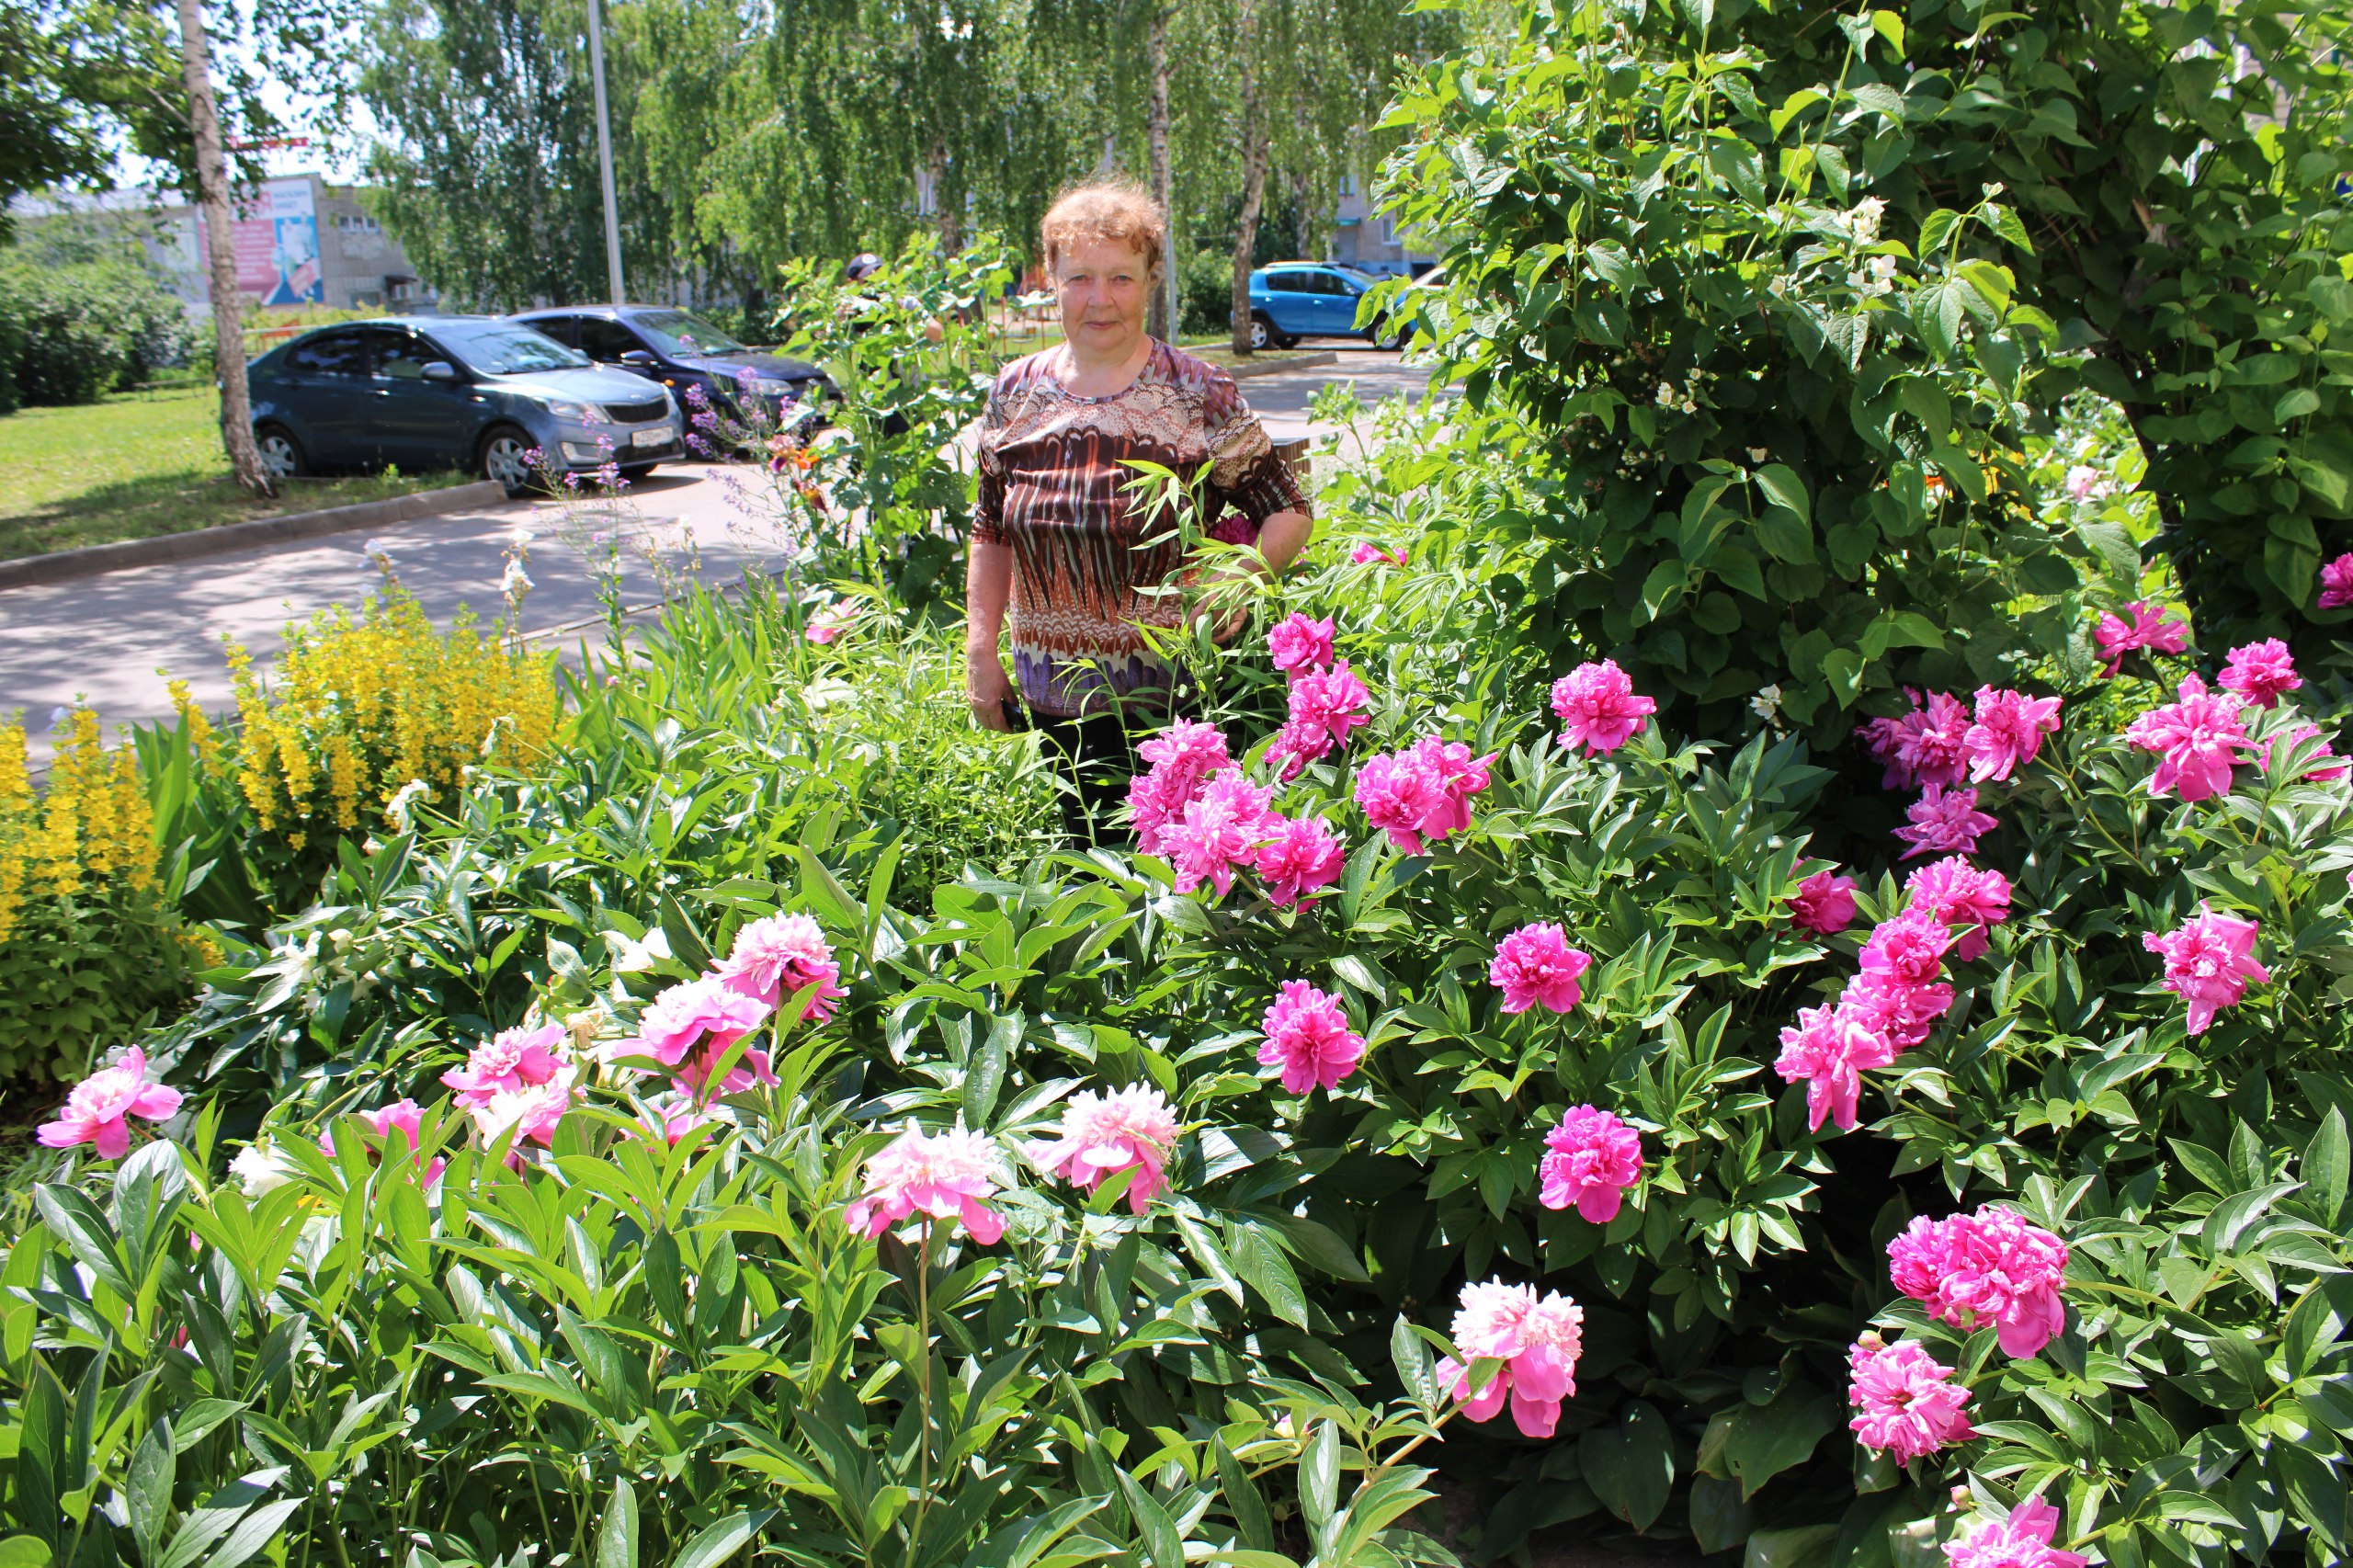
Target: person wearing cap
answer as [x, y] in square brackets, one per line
[1057, 556]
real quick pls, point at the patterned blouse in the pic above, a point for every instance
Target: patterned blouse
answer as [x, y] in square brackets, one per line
[1052, 469]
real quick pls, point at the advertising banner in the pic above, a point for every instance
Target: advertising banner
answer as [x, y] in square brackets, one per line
[276, 239]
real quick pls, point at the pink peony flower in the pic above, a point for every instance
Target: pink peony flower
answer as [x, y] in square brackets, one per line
[777, 957]
[1537, 1341]
[2150, 628]
[533, 1113]
[513, 1059]
[1536, 964]
[751, 1070]
[1300, 645]
[1910, 1407]
[2209, 960]
[680, 1113]
[1594, 1157]
[2022, 1541]
[1183, 756]
[1367, 552]
[2195, 740]
[2326, 769]
[1944, 822]
[1927, 745]
[1954, 891]
[1399, 793]
[1901, 1015]
[1308, 1037]
[2008, 732]
[1828, 1051]
[1223, 828]
[825, 627]
[1298, 857]
[1459, 776]
[97, 1109]
[2260, 672]
[1907, 950]
[1598, 707]
[402, 1116]
[2337, 583]
[1993, 1266]
[1130, 1128]
[947, 1175]
[1330, 701]
[685, 1016]
[1823, 905]
[2082, 481]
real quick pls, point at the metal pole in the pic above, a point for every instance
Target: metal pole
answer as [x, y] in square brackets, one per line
[605, 153]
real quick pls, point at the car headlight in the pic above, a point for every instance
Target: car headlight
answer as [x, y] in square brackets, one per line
[578, 412]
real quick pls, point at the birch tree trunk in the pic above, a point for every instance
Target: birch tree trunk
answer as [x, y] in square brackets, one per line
[1155, 46]
[1256, 146]
[228, 304]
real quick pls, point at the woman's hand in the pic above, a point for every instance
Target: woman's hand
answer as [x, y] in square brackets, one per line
[987, 688]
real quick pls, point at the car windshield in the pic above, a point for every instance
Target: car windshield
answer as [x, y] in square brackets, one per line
[676, 332]
[501, 348]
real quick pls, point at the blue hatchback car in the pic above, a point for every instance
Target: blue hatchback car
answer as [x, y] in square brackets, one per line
[1292, 299]
[474, 394]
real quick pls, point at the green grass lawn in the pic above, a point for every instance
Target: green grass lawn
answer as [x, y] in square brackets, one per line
[141, 464]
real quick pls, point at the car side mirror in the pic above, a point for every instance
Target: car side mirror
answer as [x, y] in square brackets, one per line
[639, 360]
[439, 370]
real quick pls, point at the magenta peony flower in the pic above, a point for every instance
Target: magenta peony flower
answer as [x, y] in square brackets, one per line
[1183, 756]
[1829, 1050]
[1593, 1158]
[2260, 672]
[513, 1059]
[1993, 1266]
[1823, 905]
[1944, 822]
[1308, 1037]
[98, 1109]
[1537, 1341]
[1367, 552]
[1398, 794]
[751, 1069]
[1298, 857]
[2337, 583]
[1910, 1407]
[1599, 708]
[777, 957]
[1459, 776]
[1901, 1015]
[1221, 829]
[402, 1116]
[1129, 1129]
[2326, 769]
[2150, 628]
[947, 1175]
[680, 1113]
[2209, 960]
[1957, 894]
[1325, 705]
[2195, 741]
[1300, 645]
[1907, 950]
[688, 1014]
[2022, 1541]
[827, 626]
[1927, 745]
[1536, 964]
[2008, 730]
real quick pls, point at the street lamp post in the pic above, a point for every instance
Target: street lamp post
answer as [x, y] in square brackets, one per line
[605, 151]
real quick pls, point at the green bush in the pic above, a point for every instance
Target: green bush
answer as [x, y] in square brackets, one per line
[71, 335]
[1206, 288]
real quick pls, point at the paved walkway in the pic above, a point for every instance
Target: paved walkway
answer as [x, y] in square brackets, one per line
[102, 639]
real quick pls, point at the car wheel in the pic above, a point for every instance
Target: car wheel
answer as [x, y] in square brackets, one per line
[1262, 332]
[1388, 338]
[1286, 340]
[636, 472]
[281, 454]
[504, 458]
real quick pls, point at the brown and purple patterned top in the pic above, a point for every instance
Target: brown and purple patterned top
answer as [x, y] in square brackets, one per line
[1052, 475]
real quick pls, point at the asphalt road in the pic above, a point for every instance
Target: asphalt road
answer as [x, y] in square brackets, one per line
[105, 638]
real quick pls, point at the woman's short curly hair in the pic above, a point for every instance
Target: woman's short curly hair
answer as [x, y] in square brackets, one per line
[1117, 210]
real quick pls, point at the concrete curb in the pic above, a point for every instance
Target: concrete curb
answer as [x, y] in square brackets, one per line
[64, 565]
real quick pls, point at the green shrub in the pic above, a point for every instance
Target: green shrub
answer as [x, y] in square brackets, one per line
[1206, 287]
[71, 335]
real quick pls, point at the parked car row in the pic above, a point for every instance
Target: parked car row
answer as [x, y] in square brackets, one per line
[581, 387]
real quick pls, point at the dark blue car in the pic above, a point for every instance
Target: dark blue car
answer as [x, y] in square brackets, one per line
[680, 350]
[474, 394]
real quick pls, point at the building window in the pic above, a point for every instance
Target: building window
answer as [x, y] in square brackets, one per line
[357, 224]
[1387, 230]
[1348, 184]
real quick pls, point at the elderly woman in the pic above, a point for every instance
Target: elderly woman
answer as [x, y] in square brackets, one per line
[1055, 537]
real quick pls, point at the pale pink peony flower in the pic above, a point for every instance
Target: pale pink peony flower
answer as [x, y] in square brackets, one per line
[1300, 645]
[1993, 1266]
[1593, 1157]
[513, 1059]
[777, 957]
[947, 1175]
[1535, 964]
[1221, 829]
[1599, 708]
[1910, 1405]
[2196, 741]
[533, 1113]
[1398, 794]
[685, 1016]
[1824, 903]
[2337, 583]
[1903, 1015]
[2082, 481]
[1907, 950]
[98, 1109]
[1945, 822]
[1958, 895]
[2209, 960]
[2260, 672]
[1367, 552]
[1299, 857]
[1828, 1051]
[1308, 1037]
[2022, 1541]
[1129, 1129]
[2008, 732]
[1927, 746]
[2150, 628]
[1538, 1341]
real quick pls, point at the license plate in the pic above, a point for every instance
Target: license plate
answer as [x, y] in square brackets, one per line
[659, 435]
